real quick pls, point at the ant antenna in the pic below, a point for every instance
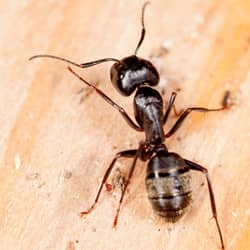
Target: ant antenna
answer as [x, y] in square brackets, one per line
[92, 63]
[82, 65]
[143, 31]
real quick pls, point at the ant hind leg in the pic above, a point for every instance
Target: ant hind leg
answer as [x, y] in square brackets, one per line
[132, 168]
[128, 154]
[197, 167]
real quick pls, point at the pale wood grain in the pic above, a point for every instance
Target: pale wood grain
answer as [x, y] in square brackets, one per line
[54, 148]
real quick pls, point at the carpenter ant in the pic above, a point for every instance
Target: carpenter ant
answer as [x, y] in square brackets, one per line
[168, 179]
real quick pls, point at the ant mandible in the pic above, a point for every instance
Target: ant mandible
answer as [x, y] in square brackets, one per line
[168, 179]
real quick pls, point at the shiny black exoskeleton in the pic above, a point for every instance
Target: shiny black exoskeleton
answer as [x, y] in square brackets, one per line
[131, 72]
[168, 181]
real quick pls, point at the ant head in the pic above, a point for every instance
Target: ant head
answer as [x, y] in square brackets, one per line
[126, 74]
[131, 72]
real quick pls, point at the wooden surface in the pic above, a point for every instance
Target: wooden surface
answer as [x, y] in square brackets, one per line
[57, 138]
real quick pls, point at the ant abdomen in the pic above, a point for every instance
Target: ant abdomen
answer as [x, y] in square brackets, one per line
[130, 72]
[168, 185]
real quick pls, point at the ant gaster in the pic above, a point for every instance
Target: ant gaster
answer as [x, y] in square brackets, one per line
[168, 181]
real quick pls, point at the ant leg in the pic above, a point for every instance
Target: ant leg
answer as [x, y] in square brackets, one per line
[126, 184]
[177, 113]
[127, 153]
[170, 105]
[196, 167]
[185, 114]
[187, 111]
[112, 103]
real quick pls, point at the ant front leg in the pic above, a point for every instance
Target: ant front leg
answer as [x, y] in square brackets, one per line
[187, 111]
[128, 154]
[197, 167]
[109, 101]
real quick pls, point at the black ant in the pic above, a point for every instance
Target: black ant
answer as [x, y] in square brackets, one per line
[168, 179]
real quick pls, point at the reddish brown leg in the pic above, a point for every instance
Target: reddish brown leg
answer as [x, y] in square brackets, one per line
[127, 153]
[196, 167]
[126, 185]
[177, 113]
[184, 116]
[187, 111]
[169, 107]
[109, 101]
